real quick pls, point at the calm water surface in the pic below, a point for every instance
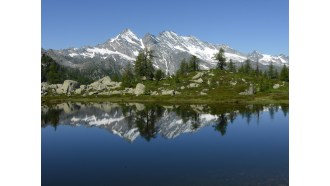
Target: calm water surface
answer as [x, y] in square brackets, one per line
[137, 144]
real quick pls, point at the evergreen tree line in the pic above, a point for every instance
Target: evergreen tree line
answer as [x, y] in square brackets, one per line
[245, 68]
[143, 68]
[54, 73]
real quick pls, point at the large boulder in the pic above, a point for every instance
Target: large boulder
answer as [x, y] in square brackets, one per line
[44, 88]
[69, 86]
[200, 80]
[139, 89]
[198, 75]
[101, 84]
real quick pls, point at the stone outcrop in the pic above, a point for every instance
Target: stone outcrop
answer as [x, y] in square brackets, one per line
[197, 76]
[139, 89]
[104, 83]
[67, 87]
[200, 80]
[193, 85]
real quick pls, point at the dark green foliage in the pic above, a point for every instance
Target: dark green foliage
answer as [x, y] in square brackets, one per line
[272, 72]
[193, 64]
[220, 57]
[128, 79]
[184, 67]
[115, 77]
[264, 85]
[143, 64]
[221, 125]
[54, 73]
[246, 67]
[177, 79]
[257, 71]
[231, 66]
[146, 120]
[284, 74]
[159, 75]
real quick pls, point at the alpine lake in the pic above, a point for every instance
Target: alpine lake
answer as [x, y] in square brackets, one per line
[177, 144]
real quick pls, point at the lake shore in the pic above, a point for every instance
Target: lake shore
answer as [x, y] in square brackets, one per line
[271, 98]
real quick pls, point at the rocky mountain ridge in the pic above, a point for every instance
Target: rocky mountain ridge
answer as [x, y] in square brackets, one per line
[169, 49]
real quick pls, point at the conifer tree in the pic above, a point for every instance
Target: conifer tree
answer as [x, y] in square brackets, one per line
[144, 65]
[231, 66]
[220, 57]
[271, 73]
[193, 63]
[284, 74]
[128, 79]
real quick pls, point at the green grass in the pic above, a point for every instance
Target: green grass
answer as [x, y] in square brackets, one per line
[219, 91]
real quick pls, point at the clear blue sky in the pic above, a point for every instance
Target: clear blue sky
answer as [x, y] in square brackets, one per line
[245, 25]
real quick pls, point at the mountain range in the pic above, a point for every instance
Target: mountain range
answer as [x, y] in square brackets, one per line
[169, 49]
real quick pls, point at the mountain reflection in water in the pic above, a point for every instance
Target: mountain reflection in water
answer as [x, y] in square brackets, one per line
[130, 120]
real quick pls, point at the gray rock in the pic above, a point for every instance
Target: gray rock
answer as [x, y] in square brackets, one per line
[177, 92]
[209, 82]
[59, 91]
[203, 93]
[198, 75]
[200, 80]
[129, 90]
[276, 86]
[139, 89]
[154, 93]
[105, 80]
[69, 86]
[233, 83]
[44, 87]
[102, 83]
[211, 74]
[77, 91]
[139, 106]
[193, 85]
[116, 92]
[168, 92]
[182, 88]
[92, 93]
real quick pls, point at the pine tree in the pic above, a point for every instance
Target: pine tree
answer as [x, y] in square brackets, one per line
[231, 66]
[220, 57]
[159, 75]
[184, 68]
[247, 66]
[284, 74]
[128, 79]
[144, 65]
[271, 73]
[257, 69]
[193, 64]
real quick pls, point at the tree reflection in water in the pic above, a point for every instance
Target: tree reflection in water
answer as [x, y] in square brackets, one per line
[147, 119]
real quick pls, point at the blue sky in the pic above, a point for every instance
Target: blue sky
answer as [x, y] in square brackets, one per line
[245, 25]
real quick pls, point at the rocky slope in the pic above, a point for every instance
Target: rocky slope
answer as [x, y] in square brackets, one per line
[169, 49]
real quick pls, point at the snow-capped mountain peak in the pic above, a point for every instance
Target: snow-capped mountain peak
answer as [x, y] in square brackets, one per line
[169, 47]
